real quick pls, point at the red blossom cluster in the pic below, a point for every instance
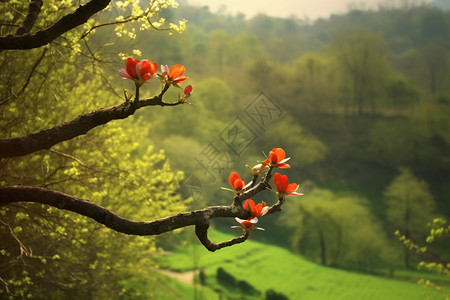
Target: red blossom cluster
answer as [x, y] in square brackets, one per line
[256, 210]
[142, 70]
[277, 159]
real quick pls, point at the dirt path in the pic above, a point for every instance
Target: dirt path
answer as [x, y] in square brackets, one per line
[186, 277]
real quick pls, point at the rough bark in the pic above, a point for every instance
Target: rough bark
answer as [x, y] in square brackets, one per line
[198, 218]
[47, 138]
[24, 40]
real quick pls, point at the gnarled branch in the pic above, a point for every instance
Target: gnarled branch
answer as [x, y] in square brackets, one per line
[47, 138]
[109, 219]
[202, 233]
[198, 218]
[47, 35]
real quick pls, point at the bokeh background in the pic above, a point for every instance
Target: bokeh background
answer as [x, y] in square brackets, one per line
[357, 94]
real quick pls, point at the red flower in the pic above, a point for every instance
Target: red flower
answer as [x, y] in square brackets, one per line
[187, 93]
[188, 90]
[236, 182]
[139, 71]
[248, 224]
[257, 210]
[283, 187]
[276, 159]
[174, 75]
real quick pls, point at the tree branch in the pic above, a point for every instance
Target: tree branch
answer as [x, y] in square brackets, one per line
[198, 218]
[202, 233]
[33, 69]
[104, 216]
[45, 36]
[125, 20]
[254, 189]
[47, 138]
[33, 12]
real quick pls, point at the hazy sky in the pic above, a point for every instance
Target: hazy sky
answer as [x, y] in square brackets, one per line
[285, 8]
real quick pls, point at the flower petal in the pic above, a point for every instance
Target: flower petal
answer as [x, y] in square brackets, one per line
[247, 223]
[285, 160]
[258, 166]
[165, 69]
[258, 208]
[264, 211]
[283, 166]
[142, 70]
[131, 67]
[249, 205]
[180, 79]
[124, 73]
[153, 67]
[233, 177]
[280, 182]
[247, 185]
[253, 221]
[176, 71]
[294, 194]
[279, 153]
[239, 220]
[292, 187]
[264, 164]
[277, 180]
[273, 157]
[239, 184]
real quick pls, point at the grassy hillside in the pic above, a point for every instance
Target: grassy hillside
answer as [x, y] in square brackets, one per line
[270, 267]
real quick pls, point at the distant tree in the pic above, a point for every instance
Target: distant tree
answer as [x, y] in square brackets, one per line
[403, 141]
[435, 27]
[262, 71]
[219, 49]
[361, 57]
[436, 66]
[400, 4]
[409, 205]
[314, 83]
[262, 26]
[337, 230]
[400, 94]
[245, 49]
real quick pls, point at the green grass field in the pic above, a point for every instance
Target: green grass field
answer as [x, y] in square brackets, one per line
[270, 267]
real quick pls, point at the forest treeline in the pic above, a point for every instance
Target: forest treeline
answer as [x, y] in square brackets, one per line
[359, 101]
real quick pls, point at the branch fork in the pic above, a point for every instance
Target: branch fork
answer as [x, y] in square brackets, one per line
[198, 218]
